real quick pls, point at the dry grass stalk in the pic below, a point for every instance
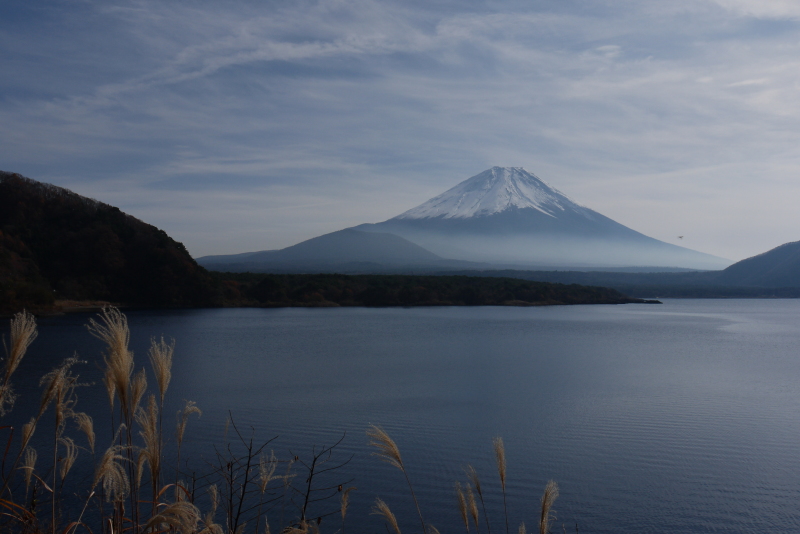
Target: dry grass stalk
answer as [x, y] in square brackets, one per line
[160, 354]
[548, 498]
[213, 494]
[28, 466]
[346, 500]
[182, 516]
[462, 505]
[138, 389]
[522, 529]
[27, 432]
[433, 530]
[151, 452]
[473, 507]
[389, 452]
[387, 448]
[70, 455]
[500, 457]
[472, 474]
[59, 385]
[23, 333]
[209, 526]
[113, 330]
[381, 508]
[85, 425]
[111, 474]
[183, 418]
[266, 470]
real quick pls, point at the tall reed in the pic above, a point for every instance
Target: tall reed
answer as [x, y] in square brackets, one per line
[127, 493]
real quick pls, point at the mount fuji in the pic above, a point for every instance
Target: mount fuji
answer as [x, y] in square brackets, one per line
[506, 215]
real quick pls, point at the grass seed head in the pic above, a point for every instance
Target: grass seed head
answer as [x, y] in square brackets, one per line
[266, 470]
[472, 474]
[548, 498]
[112, 474]
[113, 330]
[381, 508]
[473, 506]
[500, 456]
[387, 448]
[182, 516]
[23, 333]
[86, 426]
[183, 418]
[160, 354]
[346, 500]
[27, 432]
[28, 466]
[70, 455]
[462, 505]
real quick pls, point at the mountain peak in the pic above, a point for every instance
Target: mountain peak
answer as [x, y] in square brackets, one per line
[493, 191]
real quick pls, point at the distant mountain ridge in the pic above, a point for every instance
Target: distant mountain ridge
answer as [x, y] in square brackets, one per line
[772, 274]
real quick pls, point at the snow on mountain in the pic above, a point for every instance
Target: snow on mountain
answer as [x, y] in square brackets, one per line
[494, 191]
[508, 215]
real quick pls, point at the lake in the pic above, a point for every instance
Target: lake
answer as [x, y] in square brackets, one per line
[681, 417]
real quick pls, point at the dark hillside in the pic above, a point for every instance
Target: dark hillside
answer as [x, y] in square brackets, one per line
[779, 267]
[78, 248]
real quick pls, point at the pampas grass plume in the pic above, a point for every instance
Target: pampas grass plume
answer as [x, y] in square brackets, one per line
[160, 354]
[548, 498]
[23, 332]
[462, 505]
[111, 474]
[183, 418]
[86, 425]
[381, 508]
[387, 448]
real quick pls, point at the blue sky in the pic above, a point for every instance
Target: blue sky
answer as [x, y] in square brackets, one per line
[252, 125]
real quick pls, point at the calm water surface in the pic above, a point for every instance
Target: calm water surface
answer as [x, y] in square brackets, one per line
[683, 417]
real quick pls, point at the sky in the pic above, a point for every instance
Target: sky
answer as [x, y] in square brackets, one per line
[251, 125]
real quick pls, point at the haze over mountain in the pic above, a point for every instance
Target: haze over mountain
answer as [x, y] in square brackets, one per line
[506, 215]
[346, 250]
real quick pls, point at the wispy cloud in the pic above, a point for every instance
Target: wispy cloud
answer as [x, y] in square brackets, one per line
[364, 108]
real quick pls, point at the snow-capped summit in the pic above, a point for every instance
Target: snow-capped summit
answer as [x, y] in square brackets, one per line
[494, 191]
[508, 215]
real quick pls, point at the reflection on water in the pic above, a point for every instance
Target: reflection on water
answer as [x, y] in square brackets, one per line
[674, 418]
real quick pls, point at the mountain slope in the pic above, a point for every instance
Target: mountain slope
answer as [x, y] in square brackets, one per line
[779, 267]
[508, 215]
[344, 248]
[79, 248]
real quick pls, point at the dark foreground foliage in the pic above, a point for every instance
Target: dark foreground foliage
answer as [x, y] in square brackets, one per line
[404, 290]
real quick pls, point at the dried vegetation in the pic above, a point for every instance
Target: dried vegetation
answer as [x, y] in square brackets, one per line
[132, 490]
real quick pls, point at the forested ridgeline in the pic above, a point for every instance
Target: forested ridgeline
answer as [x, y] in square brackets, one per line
[55, 244]
[403, 290]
